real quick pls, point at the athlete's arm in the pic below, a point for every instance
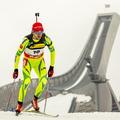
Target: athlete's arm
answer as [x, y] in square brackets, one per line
[51, 48]
[20, 51]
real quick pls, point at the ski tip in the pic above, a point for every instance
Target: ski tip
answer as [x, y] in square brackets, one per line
[57, 115]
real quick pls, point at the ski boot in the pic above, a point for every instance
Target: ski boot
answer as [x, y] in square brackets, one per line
[35, 103]
[18, 108]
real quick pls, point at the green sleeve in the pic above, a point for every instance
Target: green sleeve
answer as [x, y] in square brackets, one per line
[20, 51]
[50, 45]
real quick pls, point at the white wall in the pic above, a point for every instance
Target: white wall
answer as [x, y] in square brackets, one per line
[67, 22]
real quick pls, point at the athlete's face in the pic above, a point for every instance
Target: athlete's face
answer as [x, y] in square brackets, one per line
[37, 35]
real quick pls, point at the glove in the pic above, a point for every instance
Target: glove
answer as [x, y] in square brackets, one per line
[50, 71]
[15, 73]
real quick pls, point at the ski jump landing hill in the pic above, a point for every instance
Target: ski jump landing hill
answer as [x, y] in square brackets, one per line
[88, 75]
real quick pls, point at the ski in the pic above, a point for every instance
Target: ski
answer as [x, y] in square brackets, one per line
[42, 113]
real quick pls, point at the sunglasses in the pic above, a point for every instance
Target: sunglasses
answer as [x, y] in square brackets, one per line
[38, 33]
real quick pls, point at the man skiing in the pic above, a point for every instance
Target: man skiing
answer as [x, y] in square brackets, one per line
[33, 48]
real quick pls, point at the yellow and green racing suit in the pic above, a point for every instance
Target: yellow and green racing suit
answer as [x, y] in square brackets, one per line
[34, 59]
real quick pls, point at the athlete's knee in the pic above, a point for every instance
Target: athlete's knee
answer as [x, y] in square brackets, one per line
[26, 82]
[44, 82]
[43, 79]
[43, 72]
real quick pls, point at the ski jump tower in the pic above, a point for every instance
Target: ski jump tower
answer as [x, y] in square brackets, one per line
[88, 75]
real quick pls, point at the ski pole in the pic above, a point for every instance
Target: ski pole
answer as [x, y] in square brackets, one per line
[14, 96]
[46, 96]
[11, 92]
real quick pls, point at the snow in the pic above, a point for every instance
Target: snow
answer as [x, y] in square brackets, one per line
[68, 116]
[60, 104]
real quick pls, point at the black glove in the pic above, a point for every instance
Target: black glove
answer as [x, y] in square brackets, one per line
[51, 71]
[15, 73]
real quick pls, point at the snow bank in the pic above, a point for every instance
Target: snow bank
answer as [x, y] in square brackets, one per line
[61, 103]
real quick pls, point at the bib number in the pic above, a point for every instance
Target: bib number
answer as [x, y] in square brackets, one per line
[36, 52]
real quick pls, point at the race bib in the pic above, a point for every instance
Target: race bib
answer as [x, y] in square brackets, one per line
[34, 52]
